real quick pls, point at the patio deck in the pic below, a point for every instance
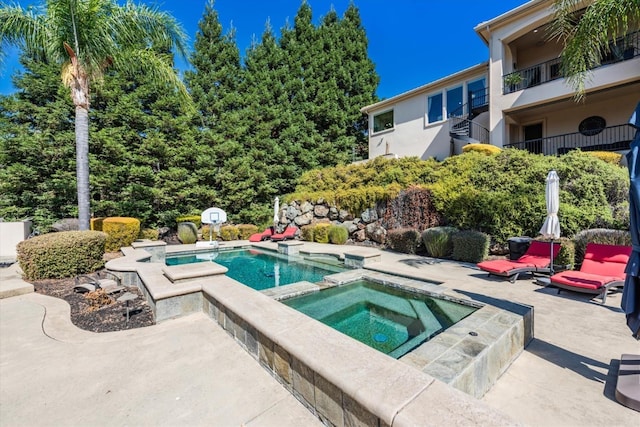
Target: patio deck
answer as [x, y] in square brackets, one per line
[566, 376]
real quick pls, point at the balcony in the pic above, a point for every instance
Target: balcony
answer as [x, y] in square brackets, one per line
[612, 138]
[622, 49]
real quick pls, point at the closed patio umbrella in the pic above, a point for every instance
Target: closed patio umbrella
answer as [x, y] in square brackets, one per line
[551, 227]
[276, 216]
[631, 292]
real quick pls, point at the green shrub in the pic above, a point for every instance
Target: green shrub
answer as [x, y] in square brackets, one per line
[470, 246]
[321, 233]
[196, 219]
[121, 231]
[437, 241]
[338, 235]
[306, 232]
[187, 233]
[405, 240]
[63, 254]
[567, 254]
[149, 233]
[229, 232]
[599, 235]
[246, 230]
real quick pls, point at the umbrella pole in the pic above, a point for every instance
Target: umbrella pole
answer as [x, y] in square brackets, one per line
[551, 265]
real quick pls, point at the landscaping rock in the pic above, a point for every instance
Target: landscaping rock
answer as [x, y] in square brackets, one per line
[368, 216]
[333, 213]
[306, 207]
[321, 211]
[344, 215]
[304, 219]
[376, 232]
[292, 213]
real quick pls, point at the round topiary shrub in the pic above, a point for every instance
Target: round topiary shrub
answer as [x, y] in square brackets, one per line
[246, 230]
[321, 233]
[306, 233]
[338, 235]
[405, 240]
[121, 231]
[470, 246]
[196, 219]
[187, 233]
[149, 233]
[63, 254]
[487, 149]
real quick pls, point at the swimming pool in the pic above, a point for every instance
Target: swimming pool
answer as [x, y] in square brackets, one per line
[388, 319]
[262, 270]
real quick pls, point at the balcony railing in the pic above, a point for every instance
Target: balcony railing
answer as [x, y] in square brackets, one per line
[622, 49]
[612, 138]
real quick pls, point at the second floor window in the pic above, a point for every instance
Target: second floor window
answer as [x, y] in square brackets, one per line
[383, 121]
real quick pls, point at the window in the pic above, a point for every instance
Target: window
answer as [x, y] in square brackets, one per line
[434, 108]
[454, 101]
[383, 121]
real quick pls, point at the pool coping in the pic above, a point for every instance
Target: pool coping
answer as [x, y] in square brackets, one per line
[339, 379]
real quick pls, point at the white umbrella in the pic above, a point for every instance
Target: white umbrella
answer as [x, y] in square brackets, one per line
[276, 216]
[551, 227]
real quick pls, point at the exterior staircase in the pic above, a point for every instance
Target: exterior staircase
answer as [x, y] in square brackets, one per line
[461, 124]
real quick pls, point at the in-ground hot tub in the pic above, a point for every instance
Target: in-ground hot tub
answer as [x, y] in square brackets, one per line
[389, 319]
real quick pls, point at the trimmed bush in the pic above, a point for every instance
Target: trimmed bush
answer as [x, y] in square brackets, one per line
[602, 236]
[121, 231]
[567, 254]
[437, 241]
[321, 233]
[187, 232]
[470, 246]
[95, 224]
[196, 219]
[229, 232]
[607, 156]
[338, 235]
[149, 233]
[487, 149]
[246, 230]
[306, 232]
[63, 254]
[405, 240]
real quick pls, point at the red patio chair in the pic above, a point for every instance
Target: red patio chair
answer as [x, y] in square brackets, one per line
[602, 269]
[537, 259]
[259, 237]
[288, 233]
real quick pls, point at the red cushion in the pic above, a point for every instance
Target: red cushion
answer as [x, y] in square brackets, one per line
[535, 260]
[579, 279]
[542, 249]
[503, 266]
[606, 260]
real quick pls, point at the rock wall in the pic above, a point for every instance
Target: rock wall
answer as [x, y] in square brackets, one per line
[365, 228]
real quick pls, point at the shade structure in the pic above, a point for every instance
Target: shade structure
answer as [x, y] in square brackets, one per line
[276, 212]
[551, 227]
[631, 294]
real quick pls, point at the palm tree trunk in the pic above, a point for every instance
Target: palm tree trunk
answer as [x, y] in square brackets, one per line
[82, 166]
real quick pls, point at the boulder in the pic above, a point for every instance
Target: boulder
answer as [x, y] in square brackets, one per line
[359, 236]
[292, 213]
[368, 216]
[321, 211]
[376, 232]
[350, 226]
[303, 219]
[344, 215]
[333, 213]
[306, 207]
[67, 224]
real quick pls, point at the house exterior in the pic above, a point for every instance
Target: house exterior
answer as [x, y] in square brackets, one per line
[517, 98]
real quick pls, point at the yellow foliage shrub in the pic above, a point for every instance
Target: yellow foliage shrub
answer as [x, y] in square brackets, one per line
[229, 232]
[95, 224]
[606, 156]
[487, 149]
[121, 231]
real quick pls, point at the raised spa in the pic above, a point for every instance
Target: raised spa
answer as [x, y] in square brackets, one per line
[389, 319]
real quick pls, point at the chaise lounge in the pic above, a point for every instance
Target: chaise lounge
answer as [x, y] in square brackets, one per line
[602, 269]
[259, 237]
[288, 233]
[537, 259]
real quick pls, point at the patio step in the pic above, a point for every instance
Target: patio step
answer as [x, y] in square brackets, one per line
[628, 387]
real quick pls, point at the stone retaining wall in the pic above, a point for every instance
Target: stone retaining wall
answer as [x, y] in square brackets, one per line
[367, 227]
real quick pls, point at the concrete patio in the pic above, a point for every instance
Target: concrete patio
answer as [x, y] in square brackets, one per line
[52, 373]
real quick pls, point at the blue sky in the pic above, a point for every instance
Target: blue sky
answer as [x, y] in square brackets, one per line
[411, 42]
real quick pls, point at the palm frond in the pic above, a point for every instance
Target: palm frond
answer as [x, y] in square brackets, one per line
[23, 28]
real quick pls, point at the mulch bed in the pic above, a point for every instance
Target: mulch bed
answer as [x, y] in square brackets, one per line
[97, 311]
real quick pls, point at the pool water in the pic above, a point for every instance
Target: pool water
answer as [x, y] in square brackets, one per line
[261, 270]
[388, 319]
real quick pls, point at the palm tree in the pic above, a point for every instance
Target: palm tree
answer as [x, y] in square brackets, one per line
[85, 37]
[587, 37]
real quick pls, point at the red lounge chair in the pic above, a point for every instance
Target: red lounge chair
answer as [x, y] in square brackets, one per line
[603, 268]
[288, 233]
[536, 260]
[259, 237]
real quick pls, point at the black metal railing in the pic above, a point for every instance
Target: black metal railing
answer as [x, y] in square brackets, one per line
[612, 138]
[462, 127]
[621, 49]
[476, 100]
